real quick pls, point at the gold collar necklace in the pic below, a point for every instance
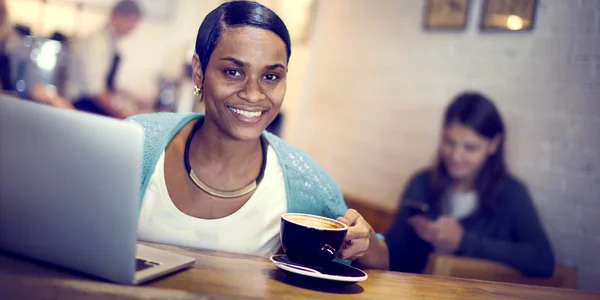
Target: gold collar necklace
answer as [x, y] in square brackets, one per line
[216, 192]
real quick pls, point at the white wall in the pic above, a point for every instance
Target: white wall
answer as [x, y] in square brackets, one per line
[381, 84]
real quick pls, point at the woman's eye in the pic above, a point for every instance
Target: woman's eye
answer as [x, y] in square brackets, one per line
[233, 73]
[271, 77]
[449, 142]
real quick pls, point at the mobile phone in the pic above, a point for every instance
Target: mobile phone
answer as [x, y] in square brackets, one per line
[415, 208]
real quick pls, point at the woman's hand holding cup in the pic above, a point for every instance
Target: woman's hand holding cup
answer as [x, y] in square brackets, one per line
[358, 237]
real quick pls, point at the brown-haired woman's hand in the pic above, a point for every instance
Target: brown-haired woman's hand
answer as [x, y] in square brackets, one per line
[444, 234]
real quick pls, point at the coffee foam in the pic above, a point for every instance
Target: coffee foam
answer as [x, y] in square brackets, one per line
[313, 221]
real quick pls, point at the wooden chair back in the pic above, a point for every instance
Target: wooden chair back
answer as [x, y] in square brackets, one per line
[472, 268]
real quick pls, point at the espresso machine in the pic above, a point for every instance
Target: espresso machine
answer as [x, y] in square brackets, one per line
[50, 59]
[176, 92]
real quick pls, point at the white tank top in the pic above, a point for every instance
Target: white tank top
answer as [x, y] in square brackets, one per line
[253, 229]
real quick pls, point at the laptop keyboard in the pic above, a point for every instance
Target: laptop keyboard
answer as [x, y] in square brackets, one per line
[142, 264]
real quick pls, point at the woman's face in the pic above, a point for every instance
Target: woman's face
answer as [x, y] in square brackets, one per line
[124, 25]
[245, 81]
[464, 151]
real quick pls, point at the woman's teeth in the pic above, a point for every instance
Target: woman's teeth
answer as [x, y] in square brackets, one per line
[248, 114]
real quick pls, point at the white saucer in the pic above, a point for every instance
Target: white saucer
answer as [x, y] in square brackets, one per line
[335, 271]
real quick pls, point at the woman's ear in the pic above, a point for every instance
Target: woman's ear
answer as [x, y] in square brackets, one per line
[494, 144]
[197, 74]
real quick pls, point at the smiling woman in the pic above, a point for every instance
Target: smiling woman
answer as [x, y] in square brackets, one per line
[218, 180]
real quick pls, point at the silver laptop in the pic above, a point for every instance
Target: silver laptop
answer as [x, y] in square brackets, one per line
[69, 184]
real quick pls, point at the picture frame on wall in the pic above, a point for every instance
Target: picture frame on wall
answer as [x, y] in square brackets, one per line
[508, 15]
[446, 14]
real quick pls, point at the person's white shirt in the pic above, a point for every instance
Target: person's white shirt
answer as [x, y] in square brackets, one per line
[252, 230]
[90, 62]
[460, 205]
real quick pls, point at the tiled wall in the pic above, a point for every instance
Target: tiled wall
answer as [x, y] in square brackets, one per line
[378, 85]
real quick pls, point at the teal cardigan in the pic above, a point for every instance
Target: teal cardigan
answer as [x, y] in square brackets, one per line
[309, 188]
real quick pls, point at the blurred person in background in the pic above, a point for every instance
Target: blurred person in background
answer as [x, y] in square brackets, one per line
[94, 66]
[15, 65]
[472, 206]
[5, 31]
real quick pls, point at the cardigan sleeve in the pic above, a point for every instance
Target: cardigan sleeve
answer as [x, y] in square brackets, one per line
[158, 128]
[146, 155]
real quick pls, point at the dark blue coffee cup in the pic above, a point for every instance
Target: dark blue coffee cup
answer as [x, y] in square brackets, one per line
[311, 240]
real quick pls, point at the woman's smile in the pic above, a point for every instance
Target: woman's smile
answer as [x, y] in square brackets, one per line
[247, 116]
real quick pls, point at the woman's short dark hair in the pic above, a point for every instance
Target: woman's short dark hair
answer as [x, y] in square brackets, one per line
[237, 13]
[477, 112]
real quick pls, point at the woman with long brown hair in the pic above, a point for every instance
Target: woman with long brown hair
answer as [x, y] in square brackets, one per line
[467, 203]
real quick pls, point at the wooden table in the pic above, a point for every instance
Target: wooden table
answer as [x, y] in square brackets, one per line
[228, 276]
